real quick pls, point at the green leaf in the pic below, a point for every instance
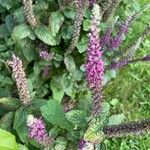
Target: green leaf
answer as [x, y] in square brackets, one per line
[70, 63]
[6, 121]
[61, 143]
[44, 34]
[20, 123]
[94, 133]
[86, 25]
[77, 117]
[82, 44]
[7, 141]
[57, 88]
[20, 32]
[9, 103]
[4, 32]
[116, 119]
[22, 147]
[53, 113]
[56, 21]
[6, 3]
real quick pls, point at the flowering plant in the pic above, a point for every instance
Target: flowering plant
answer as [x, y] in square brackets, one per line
[57, 58]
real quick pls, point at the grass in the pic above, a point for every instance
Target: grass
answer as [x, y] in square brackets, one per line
[131, 89]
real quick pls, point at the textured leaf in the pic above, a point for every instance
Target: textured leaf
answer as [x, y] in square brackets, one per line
[44, 34]
[61, 143]
[82, 44]
[53, 113]
[21, 31]
[20, 123]
[70, 63]
[116, 119]
[77, 117]
[9, 103]
[6, 121]
[56, 21]
[7, 141]
[57, 88]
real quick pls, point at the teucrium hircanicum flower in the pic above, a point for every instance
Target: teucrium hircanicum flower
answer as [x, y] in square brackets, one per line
[37, 131]
[21, 81]
[28, 8]
[94, 67]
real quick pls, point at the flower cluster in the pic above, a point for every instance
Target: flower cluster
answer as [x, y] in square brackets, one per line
[44, 54]
[28, 8]
[94, 65]
[20, 77]
[37, 131]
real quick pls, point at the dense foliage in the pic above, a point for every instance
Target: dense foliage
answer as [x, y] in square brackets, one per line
[57, 60]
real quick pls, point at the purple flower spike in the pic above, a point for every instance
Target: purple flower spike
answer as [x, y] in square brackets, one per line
[94, 67]
[123, 29]
[37, 131]
[105, 39]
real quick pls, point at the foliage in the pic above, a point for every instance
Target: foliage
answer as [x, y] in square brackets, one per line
[61, 97]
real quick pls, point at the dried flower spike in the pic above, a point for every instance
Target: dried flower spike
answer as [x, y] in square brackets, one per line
[37, 131]
[28, 8]
[111, 9]
[21, 81]
[132, 128]
[94, 67]
[77, 25]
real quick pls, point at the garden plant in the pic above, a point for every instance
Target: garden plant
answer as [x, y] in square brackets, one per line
[58, 60]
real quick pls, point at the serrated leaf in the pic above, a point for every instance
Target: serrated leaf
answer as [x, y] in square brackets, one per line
[20, 123]
[61, 143]
[53, 113]
[86, 25]
[82, 44]
[20, 32]
[9, 103]
[44, 34]
[77, 117]
[6, 121]
[7, 141]
[116, 119]
[56, 21]
[94, 133]
[70, 63]
[57, 88]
